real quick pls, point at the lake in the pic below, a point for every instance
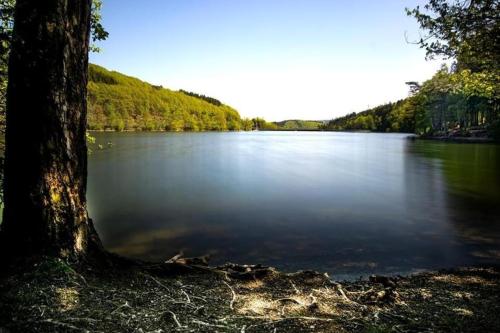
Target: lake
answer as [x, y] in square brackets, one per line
[349, 204]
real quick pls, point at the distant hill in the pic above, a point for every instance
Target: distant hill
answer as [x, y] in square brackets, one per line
[295, 124]
[120, 102]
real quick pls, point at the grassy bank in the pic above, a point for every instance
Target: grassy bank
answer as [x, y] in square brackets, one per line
[50, 295]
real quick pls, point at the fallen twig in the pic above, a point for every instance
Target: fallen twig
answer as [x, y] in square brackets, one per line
[65, 325]
[202, 323]
[297, 291]
[314, 302]
[270, 320]
[174, 317]
[307, 318]
[175, 258]
[199, 309]
[342, 293]
[157, 282]
[188, 300]
[231, 303]
[126, 305]
[88, 320]
[200, 298]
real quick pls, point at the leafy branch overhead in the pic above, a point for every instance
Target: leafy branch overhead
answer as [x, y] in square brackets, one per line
[97, 30]
[466, 31]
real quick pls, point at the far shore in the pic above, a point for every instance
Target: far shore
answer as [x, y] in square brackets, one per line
[454, 139]
[459, 139]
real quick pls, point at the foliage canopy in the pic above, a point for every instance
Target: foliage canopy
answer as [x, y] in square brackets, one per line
[464, 30]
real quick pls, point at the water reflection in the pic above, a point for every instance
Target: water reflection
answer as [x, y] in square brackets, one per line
[473, 195]
[348, 204]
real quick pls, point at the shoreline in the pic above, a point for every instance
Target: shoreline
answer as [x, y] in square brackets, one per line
[458, 139]
[411, 136]
[49, 294]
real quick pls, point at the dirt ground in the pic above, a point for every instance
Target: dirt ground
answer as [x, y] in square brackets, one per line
[51, 295]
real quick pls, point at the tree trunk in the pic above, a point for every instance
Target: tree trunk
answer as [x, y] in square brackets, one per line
[46, 153]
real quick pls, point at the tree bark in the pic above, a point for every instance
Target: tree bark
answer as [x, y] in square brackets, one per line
[46, 153]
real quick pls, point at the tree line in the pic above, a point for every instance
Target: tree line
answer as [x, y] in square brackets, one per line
[210, 100]
[296, 124]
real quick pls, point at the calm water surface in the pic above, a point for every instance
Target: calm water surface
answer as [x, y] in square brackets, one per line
[349, 204]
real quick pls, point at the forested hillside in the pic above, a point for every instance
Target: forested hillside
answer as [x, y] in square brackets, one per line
[390, 117]
[119, 102]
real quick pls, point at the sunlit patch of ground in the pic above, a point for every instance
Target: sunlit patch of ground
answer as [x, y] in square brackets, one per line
[253, 284]
[425, 293]
[463, 295]
[256, 304]
[463, 312]
[67, 298]
[464, 280]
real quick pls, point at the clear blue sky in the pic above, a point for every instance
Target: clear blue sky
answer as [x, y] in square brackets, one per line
[278, 59]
